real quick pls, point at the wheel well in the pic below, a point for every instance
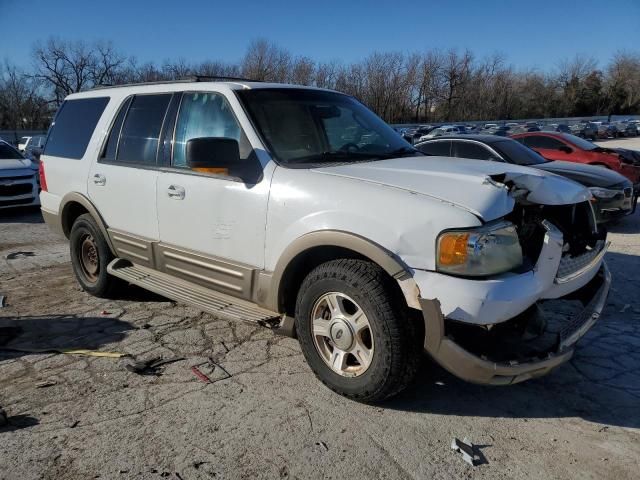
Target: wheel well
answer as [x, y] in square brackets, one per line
[305, 262]
[70, 213]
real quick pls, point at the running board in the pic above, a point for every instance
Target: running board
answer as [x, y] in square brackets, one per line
[199, 297]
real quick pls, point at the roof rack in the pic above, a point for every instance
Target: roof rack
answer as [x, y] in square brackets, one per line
[187, 79]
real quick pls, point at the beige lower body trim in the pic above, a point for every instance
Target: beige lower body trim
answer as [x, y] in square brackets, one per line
[53, 221]
[210, 272]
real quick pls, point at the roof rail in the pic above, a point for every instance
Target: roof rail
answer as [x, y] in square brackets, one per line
[187, 79]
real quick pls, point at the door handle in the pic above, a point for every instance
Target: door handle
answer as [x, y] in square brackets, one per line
[99, 179]
[176, 192]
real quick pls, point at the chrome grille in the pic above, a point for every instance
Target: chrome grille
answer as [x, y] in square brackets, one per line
[570, 266]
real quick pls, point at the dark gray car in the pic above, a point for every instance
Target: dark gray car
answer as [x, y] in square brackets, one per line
[613, 193]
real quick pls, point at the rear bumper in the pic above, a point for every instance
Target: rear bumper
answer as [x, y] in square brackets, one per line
[470, 367]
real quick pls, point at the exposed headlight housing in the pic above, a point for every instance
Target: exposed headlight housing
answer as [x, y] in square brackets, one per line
[480, 252]
[600, 192]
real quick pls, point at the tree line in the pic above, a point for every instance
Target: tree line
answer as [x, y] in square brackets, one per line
[430, 86]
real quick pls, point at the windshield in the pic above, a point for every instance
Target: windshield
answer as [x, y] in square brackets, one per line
[580, 142]
[303, 126]
[7, 152]
[515, 152]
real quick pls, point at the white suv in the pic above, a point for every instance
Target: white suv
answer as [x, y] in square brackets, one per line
[299, 209]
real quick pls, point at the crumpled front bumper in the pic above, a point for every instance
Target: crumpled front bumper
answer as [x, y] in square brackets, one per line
[472, 368]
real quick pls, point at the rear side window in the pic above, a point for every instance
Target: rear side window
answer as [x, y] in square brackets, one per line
[542, 142]
[440, 148]
[110, 149]
[141, 129]
[73, 126]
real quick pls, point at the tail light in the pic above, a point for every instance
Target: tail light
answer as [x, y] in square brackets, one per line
[43, 177]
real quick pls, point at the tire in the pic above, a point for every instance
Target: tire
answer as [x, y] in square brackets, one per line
[86, 240]
[395, 338]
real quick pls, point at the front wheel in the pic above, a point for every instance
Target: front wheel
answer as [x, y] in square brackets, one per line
[354, 332]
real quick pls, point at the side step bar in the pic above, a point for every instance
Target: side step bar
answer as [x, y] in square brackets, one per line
[183, 291]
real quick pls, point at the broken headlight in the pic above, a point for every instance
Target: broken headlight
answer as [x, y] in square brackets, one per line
[484, 251]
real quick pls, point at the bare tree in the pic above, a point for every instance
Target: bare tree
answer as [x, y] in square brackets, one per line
[68, 67]
[264, 60]
[21, 105]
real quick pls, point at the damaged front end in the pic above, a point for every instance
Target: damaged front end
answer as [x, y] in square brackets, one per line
[523, 323]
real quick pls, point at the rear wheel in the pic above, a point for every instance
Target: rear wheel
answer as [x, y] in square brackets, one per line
[354, 332]
[90, 255]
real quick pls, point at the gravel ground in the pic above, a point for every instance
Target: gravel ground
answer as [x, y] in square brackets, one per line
[265, 415]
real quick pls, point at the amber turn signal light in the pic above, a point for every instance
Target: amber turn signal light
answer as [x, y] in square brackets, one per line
[453, 248]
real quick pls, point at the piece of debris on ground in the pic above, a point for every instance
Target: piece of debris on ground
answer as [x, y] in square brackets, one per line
[464, 447]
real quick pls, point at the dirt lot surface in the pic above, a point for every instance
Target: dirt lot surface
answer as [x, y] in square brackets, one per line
[265, 415]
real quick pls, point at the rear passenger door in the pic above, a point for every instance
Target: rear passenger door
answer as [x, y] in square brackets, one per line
[122, 183]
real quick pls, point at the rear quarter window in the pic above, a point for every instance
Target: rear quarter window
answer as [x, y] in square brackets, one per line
[73, 127]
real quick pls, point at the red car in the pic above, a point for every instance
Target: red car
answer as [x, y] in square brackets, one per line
[569, 148]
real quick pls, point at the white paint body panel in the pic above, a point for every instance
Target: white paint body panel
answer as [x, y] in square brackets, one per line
[218, 216]
[402, 222]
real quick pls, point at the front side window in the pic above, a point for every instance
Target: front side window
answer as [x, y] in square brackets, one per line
[306, 126]
[472, 150]
[516, 152]
[440, 148]
[141, 129]
[7, 152]
[203, 114]
[73, 127]
[580, 142]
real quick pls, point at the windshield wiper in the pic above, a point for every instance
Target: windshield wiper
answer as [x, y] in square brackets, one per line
[401, 152]
[340, 155]
[333, 156]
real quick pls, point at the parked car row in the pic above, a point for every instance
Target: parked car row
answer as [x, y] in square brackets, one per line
[18, 178]
[588, 130]
[612, 192]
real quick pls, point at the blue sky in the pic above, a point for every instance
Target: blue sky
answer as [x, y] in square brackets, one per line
[535, 33]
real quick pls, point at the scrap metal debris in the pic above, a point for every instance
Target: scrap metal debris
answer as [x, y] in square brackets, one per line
[69, 351]
[213, 368]
[196, 371]
[152, 366]
[465, 447]
[14, 255]
[46, 383]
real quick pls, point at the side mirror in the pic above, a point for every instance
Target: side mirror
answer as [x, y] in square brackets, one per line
[212, 152]
[565, 149]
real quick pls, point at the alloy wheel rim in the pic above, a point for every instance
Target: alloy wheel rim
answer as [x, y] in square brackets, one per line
[342, 334]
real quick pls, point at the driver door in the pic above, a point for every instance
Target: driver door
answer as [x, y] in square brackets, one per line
[211, 225]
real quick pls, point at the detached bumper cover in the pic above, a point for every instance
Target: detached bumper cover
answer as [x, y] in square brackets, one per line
[474, 369]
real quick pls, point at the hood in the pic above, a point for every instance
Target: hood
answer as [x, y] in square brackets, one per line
[587, 175]
[11, 164]
[486, 189]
